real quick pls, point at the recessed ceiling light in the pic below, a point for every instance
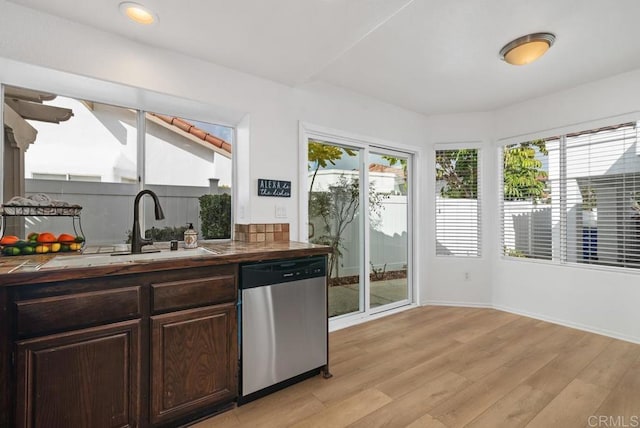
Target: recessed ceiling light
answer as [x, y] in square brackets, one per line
[138, 13]
[526, 49]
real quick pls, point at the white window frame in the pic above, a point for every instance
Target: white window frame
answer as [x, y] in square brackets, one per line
[480, 218]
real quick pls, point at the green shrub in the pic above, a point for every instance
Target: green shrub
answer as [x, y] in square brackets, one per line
[162, 235]
[215, 216]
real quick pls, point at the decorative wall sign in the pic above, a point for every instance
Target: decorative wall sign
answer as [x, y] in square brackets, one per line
[274, 188]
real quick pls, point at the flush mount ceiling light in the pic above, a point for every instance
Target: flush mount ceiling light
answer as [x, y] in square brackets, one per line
[138, 13]
[527, 49]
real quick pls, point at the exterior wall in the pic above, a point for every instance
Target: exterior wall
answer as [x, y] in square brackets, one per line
[99, 142]
[172, 160]
[102, 141]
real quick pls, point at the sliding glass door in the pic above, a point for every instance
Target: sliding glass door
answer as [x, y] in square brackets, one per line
[388, 229]
[359, 205]
[335, 220]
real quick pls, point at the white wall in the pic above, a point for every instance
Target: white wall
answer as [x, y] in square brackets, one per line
[459, 280]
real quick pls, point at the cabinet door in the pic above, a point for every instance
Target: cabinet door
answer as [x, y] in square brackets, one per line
[193, 361]
[82, 378]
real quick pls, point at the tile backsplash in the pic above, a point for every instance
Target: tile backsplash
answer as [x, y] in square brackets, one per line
[262, 232]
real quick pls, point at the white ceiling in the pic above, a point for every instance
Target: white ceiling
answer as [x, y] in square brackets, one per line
[429, 56]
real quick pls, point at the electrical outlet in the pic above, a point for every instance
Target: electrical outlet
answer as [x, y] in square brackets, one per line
[466, 276]
[281, 211]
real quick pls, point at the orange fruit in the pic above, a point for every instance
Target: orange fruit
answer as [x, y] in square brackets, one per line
[46, 237]
[9, 240]
[66, 238]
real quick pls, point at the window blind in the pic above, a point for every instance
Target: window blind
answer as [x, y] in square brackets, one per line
[603, 191]
[458, 203]
[589, 208]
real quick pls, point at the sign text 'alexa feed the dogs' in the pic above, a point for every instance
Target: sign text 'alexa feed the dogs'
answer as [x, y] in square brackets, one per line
[274, 188]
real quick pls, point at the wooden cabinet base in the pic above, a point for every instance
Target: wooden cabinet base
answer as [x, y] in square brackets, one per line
[84, 378]
[157, 349]
[193, 361]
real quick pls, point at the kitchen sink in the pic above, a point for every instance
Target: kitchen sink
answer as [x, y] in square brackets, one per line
[70, 261]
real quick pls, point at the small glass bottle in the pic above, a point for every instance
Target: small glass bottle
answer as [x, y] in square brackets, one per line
[190, 237]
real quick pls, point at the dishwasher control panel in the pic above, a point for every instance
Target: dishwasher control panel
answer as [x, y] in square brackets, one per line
[267, 273]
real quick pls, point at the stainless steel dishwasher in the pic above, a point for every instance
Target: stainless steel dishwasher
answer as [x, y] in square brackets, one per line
[283, 324]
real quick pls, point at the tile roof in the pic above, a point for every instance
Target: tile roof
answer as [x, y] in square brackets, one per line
[376, 167]
[195, 131]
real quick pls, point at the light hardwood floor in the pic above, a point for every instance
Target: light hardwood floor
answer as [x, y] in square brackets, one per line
[454, 367]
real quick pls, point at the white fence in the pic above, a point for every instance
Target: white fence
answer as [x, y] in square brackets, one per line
[107, 213]
[535, 230]
[388, 239]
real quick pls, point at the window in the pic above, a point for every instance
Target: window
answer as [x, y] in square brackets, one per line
[458, 199]
[603, 191]
[188, 165]
[527, 194]
[99, 156]
[584, 201]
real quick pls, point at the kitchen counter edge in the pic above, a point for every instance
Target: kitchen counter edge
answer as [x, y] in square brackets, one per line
[225, 253]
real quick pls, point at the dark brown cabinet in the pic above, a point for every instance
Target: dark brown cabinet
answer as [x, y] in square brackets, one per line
[148, 349]
[193, 361]
[84, 378]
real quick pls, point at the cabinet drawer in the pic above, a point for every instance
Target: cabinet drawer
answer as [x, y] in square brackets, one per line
[193, 292]
[69, 311]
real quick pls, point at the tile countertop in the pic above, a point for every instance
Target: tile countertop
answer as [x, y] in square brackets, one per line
[21, 270]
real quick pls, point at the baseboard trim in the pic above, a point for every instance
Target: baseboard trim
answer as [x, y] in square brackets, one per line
[570, 324]
[454, 303]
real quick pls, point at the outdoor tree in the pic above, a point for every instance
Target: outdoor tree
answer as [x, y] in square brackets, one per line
[337, 207]
[321, 154]
[393, 161]
[459, 171]
[524, 177]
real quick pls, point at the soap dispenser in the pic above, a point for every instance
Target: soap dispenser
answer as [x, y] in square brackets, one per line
[190, 237]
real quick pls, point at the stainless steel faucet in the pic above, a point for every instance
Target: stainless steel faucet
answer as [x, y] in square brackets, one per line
[137, 241]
